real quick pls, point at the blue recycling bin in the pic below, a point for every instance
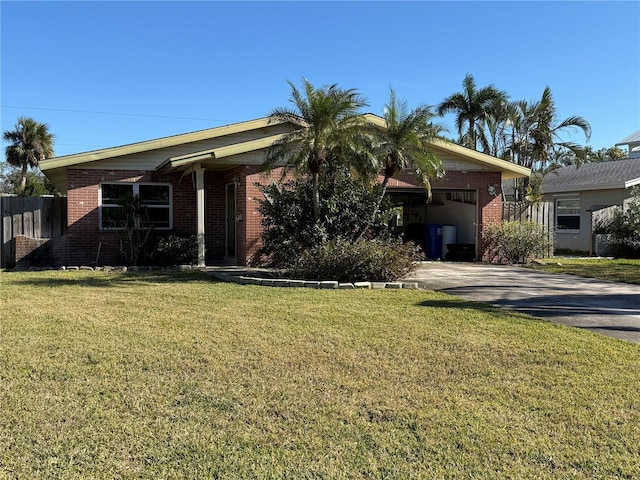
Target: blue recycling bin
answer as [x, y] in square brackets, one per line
[433, 235]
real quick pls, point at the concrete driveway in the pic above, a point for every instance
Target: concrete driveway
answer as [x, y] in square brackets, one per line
[605, 307]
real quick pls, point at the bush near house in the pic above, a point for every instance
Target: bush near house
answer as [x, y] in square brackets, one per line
[378, 260]
[175, 249]
[625, 228]
[516, 242]
[331, 248]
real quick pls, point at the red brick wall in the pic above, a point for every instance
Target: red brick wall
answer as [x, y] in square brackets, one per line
[84, 235]
[184, 202]
[253, 194]
[83, 218]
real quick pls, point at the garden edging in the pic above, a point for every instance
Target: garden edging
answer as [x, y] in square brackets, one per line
[327, 284]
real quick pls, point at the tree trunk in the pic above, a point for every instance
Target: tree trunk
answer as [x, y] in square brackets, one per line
[472, 134]
[316, 197]
[23, 178]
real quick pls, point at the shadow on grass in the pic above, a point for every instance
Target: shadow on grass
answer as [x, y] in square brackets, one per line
[460, 303]
[104, 279]
[542, 304]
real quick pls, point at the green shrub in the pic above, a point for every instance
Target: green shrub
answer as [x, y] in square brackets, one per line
[625, 227]
[287, 216]
[516, 242]
[175, 249]
[380, 260]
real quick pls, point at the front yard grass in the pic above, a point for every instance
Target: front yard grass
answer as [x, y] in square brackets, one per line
[616, 270]
[106, 375]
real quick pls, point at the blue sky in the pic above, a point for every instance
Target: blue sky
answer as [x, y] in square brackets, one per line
[103, 74]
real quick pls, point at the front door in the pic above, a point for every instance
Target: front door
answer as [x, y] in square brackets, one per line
[231, 221]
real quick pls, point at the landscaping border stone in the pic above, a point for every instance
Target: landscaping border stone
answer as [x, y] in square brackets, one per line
[323, 284]
[243, 279]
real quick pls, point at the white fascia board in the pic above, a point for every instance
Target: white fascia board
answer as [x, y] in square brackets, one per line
[632, 183]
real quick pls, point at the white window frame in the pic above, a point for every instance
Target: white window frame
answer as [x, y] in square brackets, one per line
[136, 191]
[557, 214]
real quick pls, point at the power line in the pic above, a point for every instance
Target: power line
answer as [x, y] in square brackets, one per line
[114, 113]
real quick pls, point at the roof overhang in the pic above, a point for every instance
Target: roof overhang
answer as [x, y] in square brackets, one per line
[247, 152]
[509, 170]
[208, 157]
[96, 155]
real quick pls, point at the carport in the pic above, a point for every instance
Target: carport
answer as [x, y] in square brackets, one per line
[446, 227]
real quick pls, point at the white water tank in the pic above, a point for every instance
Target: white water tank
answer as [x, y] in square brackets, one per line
[449, 235]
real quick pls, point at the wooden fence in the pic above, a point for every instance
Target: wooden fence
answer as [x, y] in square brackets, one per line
[35, 217]
[541, 213]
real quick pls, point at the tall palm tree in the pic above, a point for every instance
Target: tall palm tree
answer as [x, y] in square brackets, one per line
[493, 137]
[329, 121]
[547, 134]
[536, 132]
[471, 106]
[536, 141]
[30, 143]
[405, 144]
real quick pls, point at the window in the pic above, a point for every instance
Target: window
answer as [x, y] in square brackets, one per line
[155, 199]
[568, 214]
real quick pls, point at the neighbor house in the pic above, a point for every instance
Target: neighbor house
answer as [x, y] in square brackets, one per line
[207, 183]
[578, 192]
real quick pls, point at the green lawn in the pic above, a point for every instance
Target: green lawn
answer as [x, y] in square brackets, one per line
[616, 270]
[106, 375]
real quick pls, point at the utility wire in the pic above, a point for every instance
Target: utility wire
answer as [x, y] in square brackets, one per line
[113, 113]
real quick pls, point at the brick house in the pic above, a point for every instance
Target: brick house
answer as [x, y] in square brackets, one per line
[205, 183]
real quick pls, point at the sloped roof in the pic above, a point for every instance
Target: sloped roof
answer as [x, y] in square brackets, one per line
[509, 170]
[633, 138]
[236, 143]
[156, 144]
[593, 176]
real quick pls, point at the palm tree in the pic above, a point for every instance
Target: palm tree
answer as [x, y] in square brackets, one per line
[536, 133]
[329, 121]
[30, 143]
[471, 106]
[536, 141]
[547, 134]
[405, 144]
[493, 137]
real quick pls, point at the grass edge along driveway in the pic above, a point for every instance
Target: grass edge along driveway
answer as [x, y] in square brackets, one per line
[106, 375]
[614, 270]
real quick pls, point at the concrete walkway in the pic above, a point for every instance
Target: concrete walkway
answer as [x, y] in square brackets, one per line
[605, 307]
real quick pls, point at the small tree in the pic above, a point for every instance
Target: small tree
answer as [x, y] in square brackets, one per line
[405, 145]
[36, 183]
[133, 224]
